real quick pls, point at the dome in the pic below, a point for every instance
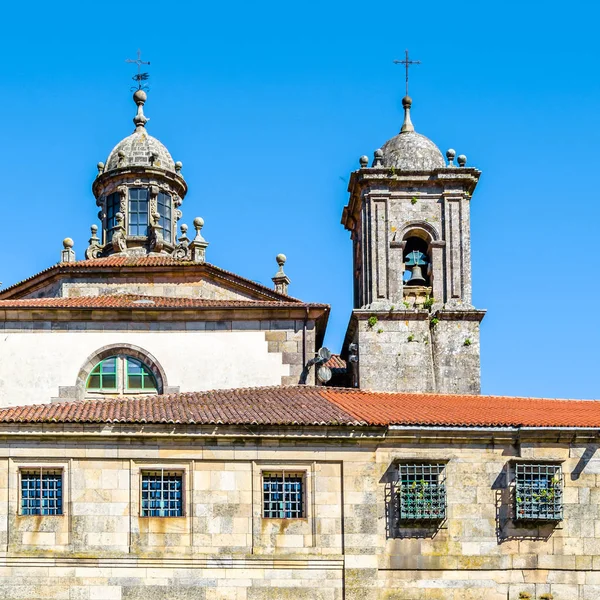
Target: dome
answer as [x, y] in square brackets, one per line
[140, 149]
[412, 151]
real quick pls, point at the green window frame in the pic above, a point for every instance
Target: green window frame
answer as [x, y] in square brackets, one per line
[138, 376]
[104, 375]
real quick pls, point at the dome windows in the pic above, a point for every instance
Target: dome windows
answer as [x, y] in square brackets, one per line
[138, 212]
[165, 211]
[113, 203]
[122, 374]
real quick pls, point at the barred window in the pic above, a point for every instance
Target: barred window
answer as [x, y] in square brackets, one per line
[283, 495]
[162, 494]
[538, 492]
[421, 492]
[41, 492]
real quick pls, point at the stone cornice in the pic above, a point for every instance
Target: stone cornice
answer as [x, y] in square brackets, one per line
[132, 172]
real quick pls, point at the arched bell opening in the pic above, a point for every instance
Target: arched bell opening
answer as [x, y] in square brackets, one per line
[417, 262]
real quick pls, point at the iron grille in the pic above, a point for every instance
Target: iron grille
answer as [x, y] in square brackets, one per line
[283, 495]
[538, 492]
[41, 492]
[162, 494]
[421, 492]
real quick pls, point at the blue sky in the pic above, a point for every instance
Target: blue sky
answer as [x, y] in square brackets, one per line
[269, 105]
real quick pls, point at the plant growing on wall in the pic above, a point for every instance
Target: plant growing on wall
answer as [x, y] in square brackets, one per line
[372, 321]
[434, 321]
[467, 342]
[411, 338]
[414, 200]
[429, 300]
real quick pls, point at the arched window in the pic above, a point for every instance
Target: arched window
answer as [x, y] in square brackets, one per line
[121, 374]
[416, 260]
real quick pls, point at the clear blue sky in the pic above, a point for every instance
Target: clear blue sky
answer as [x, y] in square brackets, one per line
[269, 106]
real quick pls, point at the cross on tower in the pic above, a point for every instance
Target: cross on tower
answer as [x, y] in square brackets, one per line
[139, 76]
[407, 62]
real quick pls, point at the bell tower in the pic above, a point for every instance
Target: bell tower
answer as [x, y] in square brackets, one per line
[413, 327]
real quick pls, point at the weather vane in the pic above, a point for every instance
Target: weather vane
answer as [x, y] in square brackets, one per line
[407, 62]
[139, 77]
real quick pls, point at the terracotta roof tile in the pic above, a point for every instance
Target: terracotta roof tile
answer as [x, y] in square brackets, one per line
[148, 261]
[336, 363]
[134, 301]
[305, 405]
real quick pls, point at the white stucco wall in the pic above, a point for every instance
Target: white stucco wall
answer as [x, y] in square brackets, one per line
[34, 365]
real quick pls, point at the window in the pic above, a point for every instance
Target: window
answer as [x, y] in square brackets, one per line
[162, 494]
[121, 374]
[283, 495]
[113, 204]
[165, 220]
[138, 211]
[421, 492]
[538, 492]
[41, 492]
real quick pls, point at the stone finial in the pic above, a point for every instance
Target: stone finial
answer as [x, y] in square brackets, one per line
[67, 254]
[198, 244]
[281, 280]
[183, 237]
[378, 158]
[140, 120]
[450, 154]
[95, 247]
[178, 166]
[364, 161]
[462, 160]
[100, 167]
[407, 126]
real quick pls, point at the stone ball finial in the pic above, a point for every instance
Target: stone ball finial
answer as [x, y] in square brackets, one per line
[178, 166]
[281, 258]
[94, 229]
[139, 96]
[378, 158]
[462, 160]
[407, 102]
[378, 153]
[198, 223]
[364, 161]
[68, 243]
[450, 154]
[100, 167]
[183, 228]
[119, 217]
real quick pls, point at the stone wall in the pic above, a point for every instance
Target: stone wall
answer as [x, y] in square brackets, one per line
[195, 355]
[344, 548]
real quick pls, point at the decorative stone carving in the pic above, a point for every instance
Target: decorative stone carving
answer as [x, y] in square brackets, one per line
[281, 280]
[199, 244]
[94, 250]
[182, 250]
[155, 235]
[119, 241]
[67, 255]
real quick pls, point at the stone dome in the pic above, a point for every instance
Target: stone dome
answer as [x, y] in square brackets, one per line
[412, 151]
[140, 149]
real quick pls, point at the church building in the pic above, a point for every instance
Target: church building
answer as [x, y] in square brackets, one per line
[177, 431]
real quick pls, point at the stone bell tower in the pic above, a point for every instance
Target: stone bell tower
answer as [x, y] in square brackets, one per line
[413, 327]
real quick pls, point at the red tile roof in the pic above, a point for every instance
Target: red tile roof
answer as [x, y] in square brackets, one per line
[118, 261]
[336, 363]
[305, 405]
[134, 301]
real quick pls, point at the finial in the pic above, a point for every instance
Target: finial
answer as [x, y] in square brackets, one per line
[281, 280]
[140, 120]
[407, 126]
[94, 250]
[178, 166]
[462, 160]
[450, 154]
[100, 167]
[67, 255]
[364, 161]
[183, 228]
[139, 77]
[198, 244]
[407, 62]
[378, 158]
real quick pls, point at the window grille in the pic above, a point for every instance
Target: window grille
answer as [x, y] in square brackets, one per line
[162, 494]
[538, 492]
[41, 492]
[164, 210]
[283, 495]
[138, 211]
[113, 205]
[421, 493]
[104, 375]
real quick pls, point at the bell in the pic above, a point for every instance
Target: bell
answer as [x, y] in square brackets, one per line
[417, 277]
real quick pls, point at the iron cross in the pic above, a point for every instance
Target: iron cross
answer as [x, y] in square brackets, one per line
[407, 62]
[139, 76]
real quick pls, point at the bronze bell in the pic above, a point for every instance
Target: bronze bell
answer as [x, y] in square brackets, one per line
[417, 277]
